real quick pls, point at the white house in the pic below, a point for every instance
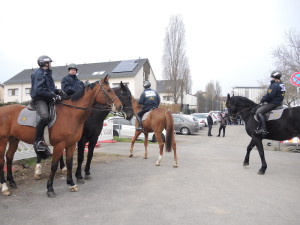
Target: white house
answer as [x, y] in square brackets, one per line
[131, 72]
[253, 93]
[164, 90]
[1, 93]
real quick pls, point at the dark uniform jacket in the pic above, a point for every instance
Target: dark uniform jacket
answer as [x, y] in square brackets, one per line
[275, 93]
[71, 84]
[149, 99]
[210, 120]
[42, 85]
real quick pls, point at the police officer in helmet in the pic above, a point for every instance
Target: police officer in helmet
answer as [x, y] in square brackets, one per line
[70, 84]
[150, 100]
[272, 99]
[43, 93]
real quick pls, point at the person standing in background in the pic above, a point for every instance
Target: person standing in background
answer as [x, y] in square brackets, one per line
[223, 123]
[210, 122]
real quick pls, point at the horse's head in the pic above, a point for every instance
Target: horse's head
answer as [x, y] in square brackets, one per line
[232, 108]
[107, 96]
[125, 96]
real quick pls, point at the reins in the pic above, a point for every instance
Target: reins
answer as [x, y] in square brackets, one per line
[107, 108]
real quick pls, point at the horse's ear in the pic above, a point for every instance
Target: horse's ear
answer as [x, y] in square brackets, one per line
[106, 78]
[228, 97]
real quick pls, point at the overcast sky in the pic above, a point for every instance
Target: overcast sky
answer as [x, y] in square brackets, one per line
[230, 41]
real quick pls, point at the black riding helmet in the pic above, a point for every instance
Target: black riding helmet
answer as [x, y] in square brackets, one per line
[147, 84]
[276, 74]
[42, 60]
[72, 66]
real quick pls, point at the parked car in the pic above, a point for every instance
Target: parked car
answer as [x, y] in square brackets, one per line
[216, 115]
[202, 117]
[185, 125]
[201, 122]
[125, 129]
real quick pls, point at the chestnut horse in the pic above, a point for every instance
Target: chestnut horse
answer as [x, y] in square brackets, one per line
[64, 134]
[157, 120]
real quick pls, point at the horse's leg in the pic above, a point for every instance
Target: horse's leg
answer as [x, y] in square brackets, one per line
[146, 145]
[80, 158]
[87, 168]
[175, 165]
[62, 164]
[57, 153]
[5, 189]
[161, 147]
[260, 148]
[136, 135]
[38, 167]
[249, 148]
[13, 146]
[69, 154]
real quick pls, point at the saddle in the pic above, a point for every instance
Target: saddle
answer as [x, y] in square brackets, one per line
[29, 117]
[274, 114]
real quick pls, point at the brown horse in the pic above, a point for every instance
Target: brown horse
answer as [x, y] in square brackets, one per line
[157, 120]
[64, 134]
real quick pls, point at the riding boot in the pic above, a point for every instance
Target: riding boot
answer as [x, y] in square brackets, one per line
[140, 126]
[263, 127]
[39, 145]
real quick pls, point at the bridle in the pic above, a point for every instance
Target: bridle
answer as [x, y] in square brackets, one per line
[233, 116]
[104, 108]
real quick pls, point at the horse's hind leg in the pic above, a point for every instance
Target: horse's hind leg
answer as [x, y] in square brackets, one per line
[69, 155]
[3, 185]
[161, 147]
[175, 165]
[146, 145]
[87, 168]
[13, 146]
[136, 135]
[80, 158]
[249, 148]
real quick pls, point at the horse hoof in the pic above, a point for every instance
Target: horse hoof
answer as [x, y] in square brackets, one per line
[13, 185]
[37, 176]
[261, 172]
[63, 170]
[87, 177]
[6, 193]
[73, 188]
[157, 164]
[245, 164]
[80, 181]
[145, 157]
[175, 166]
[130, 155]
[51, 194]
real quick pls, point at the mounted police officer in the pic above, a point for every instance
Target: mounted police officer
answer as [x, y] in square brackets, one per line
[70, 84]
[150, 100]
[43, 93]
[273, 98]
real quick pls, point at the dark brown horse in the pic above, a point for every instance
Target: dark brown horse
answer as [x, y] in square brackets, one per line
[157, 120]
[64, 134]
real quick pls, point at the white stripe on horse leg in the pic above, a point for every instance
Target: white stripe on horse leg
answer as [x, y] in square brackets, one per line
[5, 189]
[38, 171]
[158, 160]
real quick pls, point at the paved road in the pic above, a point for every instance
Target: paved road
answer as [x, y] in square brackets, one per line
[210, 186]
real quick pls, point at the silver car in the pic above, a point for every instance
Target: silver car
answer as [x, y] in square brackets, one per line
[185, 125]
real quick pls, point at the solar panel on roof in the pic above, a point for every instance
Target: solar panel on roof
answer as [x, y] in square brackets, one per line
[125, 66]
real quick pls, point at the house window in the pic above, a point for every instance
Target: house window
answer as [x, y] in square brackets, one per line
[114, 85]
[13, 92]
[27, 91]
[167, 98]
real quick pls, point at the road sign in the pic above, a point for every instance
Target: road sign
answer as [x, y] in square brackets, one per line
[295, 79]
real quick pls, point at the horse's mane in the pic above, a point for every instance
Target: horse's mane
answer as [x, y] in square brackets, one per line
[78, 95]
[242, 101]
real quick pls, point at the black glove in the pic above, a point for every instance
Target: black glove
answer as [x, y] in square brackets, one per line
[61, 93]
[57, 98]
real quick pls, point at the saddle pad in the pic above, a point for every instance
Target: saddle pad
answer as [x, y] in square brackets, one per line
[145, 116]
[275, 114]
[30, 118]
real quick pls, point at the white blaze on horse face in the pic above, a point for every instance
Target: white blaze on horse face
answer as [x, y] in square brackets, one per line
[113, 107]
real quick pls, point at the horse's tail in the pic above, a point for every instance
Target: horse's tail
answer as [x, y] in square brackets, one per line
[169, 130]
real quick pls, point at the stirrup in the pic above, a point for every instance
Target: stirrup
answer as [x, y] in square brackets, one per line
[40, 146]
[139, 129]
[261, 131]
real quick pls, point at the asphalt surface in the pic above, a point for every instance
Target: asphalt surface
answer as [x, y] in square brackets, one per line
[210, 186]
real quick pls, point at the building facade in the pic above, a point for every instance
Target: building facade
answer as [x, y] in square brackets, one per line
[252, 93]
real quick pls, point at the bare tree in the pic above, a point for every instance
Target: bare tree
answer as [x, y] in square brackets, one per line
[287, 60]
[174, 60]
